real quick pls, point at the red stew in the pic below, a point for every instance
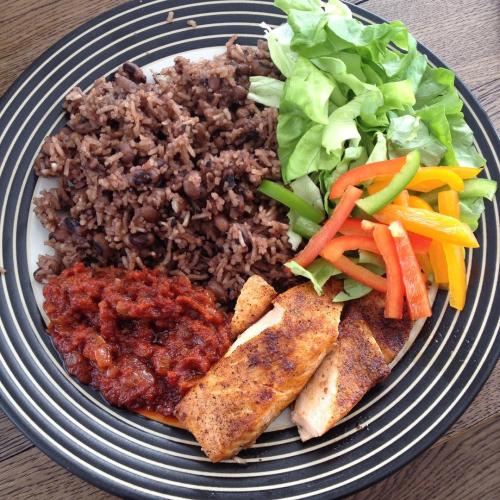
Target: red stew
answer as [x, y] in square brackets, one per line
[139, 337]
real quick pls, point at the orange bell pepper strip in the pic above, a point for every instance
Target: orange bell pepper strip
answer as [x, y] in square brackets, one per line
[416, 202]
[448, 204]
[433, 225]
[394, 297]
[415, 288]
[341, 212]
[365, 172]
[402, 199]
[360, 274]
[338, 246]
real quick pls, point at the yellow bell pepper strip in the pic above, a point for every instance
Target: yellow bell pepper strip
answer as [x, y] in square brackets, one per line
[373, 203]
[448, 204]
[425, 263]
[431, 224]
[402, 199]
[417, 297]
[416, 202]
[365, 172]
[438, 263]
[436, 259]
[462, 172]
[435, 173]
[330, 228]
[360, 274]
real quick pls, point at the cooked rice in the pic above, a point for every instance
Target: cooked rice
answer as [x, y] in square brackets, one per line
[192, 23]
[170, 16]
[166, 175]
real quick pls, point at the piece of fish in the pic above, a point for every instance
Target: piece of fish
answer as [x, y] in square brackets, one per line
[263, 373]
[367, 342]
[255, 299]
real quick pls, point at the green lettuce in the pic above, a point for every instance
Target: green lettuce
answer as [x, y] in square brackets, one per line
[319, 272]
[265, 90]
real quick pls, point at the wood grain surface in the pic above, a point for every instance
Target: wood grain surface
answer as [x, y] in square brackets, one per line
[464, 463]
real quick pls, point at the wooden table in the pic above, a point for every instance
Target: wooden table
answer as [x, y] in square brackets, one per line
[463, 464]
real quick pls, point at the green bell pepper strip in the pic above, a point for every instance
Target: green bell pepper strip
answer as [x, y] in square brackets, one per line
[305, 227]
[291, 200]
[375, 202]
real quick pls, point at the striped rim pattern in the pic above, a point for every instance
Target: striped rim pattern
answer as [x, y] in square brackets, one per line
[134, 457]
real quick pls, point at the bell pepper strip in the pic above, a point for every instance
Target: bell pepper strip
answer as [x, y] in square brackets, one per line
[425, 263]
[416, 202]
[394, 297]
[436, 177]
[462, 172]
[313, 248]
[430, 224]
[363, 173]
[361, 274]
[373, 203]
[291, 200]
[420, 244]
[338, 246]
[432, 174]
[403, 199]
[415, 288]
[305, 227]
[448, 203]
[352, 227]
[438, 263]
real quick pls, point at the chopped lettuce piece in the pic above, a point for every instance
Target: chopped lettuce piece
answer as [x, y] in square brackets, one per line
[471, 210]
[278, 41]
[308, 191]
[352, 290]
[319, 272]
[407, 133]
[265, 90]
[307, 90]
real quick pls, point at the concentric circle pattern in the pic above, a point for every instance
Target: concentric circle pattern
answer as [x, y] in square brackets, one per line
[134, 457]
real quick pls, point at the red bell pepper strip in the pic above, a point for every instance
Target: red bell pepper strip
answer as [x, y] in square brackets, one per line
[330, 228]
[338, 246]
[361, 274]
[352, 227]
[394, 297]
[365, 172]
[416, 291]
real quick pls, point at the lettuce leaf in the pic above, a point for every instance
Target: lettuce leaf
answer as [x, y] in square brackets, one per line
[265, 90]
[307, 90]
[407, 133]
[319, 272]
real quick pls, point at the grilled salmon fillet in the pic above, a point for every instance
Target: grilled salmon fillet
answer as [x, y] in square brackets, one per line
[238, 398]
[367, 342]
[255, 299]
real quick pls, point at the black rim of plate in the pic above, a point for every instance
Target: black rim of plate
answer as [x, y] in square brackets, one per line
[133, 457]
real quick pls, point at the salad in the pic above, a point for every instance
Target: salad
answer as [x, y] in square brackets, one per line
[379, 168]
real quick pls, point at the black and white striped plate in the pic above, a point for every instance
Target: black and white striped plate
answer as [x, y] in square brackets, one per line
[134, 457]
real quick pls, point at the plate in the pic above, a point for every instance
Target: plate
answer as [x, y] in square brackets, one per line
[134, 457]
